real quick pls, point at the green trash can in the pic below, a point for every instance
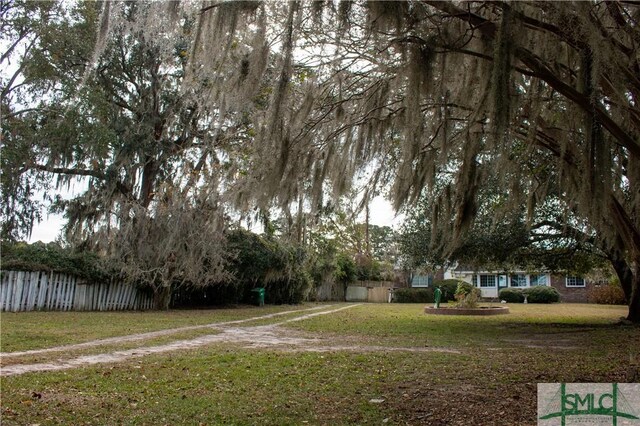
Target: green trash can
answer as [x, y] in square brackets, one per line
[259, 296]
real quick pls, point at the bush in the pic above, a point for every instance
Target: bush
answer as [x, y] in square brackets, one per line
[467, 295]
[51, 257]
[345, 269]
[291, 290]
[542, 294]
[607, 295]
[448, 288]
[511, 295]
[463, 289]
[413, 295]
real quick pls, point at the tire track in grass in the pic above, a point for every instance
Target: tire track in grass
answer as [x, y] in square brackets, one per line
[151, 334]
[259, 337]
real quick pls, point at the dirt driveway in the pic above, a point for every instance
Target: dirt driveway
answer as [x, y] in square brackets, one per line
[262, 336]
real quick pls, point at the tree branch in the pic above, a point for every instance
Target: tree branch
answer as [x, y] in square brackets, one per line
[489, 30]
[67, 171]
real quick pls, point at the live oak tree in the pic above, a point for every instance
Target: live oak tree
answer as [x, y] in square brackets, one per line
[550, 242]
[149, 154]
[479, 90]
[27, 77]
[412, 90]
[475, 89]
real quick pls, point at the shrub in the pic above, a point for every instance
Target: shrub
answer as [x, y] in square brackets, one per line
[51, 257]
[542, 294]
[607, 295]
[463, 289]
[345, 271]
[413, 295]
[291, 290]
[467, 295]
[368, 269]
[257, 261]
[511, 295]
[448, 288]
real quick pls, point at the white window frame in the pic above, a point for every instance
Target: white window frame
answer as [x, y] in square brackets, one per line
[570, 282]
[511, 281]
[503, 281]
[546, 280]
[495, 281]
[421, 282]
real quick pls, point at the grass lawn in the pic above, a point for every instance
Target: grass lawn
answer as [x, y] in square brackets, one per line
[22, 331]
[402, 367]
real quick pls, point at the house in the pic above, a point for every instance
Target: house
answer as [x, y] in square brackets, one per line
[423, 280]
[571, 288]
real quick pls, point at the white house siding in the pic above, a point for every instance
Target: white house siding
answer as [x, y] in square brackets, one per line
[500, 280]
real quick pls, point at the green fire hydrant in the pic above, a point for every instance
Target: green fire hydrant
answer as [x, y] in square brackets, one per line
[437, 294]
[259, 296]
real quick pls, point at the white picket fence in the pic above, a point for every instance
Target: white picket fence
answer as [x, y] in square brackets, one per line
[50, 291]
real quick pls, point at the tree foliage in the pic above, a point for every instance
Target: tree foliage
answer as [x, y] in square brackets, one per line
[548, 243]
[53, 258]
[443, 98]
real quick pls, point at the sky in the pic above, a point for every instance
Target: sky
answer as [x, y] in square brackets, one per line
[381, 212]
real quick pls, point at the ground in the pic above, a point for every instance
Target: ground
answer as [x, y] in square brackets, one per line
[308, 364]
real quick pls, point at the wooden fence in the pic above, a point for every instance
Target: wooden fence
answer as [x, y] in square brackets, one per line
[28, 291]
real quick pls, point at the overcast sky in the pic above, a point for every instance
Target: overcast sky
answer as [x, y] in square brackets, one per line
[381, 214]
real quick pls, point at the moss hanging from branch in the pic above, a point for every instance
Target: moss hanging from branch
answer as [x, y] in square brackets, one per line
[501, 74]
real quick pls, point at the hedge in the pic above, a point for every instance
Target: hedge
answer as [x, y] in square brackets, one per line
[539, 294]
[52, 258]
[511, 295]
[607, 295]
[542, 294]
[413, 295]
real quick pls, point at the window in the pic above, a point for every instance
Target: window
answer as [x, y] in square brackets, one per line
[539, 280]
[575, 282]
[502, 280]
[518, 280]
[421, 281]
[487, 280]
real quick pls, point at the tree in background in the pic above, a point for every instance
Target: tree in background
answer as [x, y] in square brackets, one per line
[152, 155]
[510, 244]
[33, 81]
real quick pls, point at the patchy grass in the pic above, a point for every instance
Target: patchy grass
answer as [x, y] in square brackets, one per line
[205, 386]
[492, 381]
[71, 352]
[35, 330]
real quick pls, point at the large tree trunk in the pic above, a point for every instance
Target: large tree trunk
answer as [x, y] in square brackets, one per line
[629, 234]
[634, 297]
[625, 275]
[162, 298]
[630, 283]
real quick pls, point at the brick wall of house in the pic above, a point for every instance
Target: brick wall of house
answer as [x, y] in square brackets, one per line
[571, 294]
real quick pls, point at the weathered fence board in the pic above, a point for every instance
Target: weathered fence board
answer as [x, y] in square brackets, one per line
[27, 291]
[42, 293]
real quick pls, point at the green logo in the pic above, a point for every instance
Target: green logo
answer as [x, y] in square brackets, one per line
[564, 404]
